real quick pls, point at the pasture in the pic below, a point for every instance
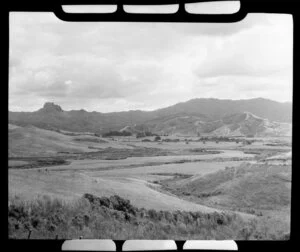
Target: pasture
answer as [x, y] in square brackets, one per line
[164, 176]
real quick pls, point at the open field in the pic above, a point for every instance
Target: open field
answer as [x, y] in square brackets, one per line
[130, 183]
[206, 177]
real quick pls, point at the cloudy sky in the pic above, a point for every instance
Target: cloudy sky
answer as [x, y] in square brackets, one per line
[123, 66]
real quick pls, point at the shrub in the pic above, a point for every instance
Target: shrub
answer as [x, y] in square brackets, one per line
[115, 218]
[140, 134]
[152, 214]
[144, 134]
[35, 221]
[17, 212]
[117, 133]
[157, 138]
[121, 204]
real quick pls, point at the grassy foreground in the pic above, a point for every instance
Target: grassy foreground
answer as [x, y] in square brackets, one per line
[115, 218]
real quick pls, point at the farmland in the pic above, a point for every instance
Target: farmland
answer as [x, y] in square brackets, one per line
[186, 175]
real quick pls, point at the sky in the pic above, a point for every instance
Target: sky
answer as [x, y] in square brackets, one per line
[110, 67]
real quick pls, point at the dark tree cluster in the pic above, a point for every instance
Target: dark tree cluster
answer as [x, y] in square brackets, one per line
[145, 134]
[117, 133]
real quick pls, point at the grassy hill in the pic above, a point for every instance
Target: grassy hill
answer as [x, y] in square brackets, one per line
[238, 124]
[215, 109]
[261, 189]
[257, 186]
[197, 115]
[32, 141]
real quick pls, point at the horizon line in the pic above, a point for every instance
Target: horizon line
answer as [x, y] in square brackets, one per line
[152, 110]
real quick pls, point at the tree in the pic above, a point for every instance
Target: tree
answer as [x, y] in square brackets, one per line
[117, 133]
[157, 138]
[140, 134]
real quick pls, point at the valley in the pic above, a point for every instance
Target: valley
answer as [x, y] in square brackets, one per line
[186, 175]
[239, 165]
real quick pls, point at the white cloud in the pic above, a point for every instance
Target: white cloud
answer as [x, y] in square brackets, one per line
[121, 66]
[256, 51]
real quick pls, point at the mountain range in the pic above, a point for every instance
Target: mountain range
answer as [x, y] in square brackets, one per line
[257, 117]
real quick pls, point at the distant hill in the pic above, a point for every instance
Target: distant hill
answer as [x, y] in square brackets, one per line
[234, 125]
[221, 117]
[216, 108]
[51, 116]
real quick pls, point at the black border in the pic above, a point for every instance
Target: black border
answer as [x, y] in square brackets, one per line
[247, 6]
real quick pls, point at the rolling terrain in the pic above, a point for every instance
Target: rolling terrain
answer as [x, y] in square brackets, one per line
[262, 189]
[30, 141]
[234, 125]
[257, 117]
[229, 172]
[257, 193]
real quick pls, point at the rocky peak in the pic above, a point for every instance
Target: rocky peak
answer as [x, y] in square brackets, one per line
[51, 107]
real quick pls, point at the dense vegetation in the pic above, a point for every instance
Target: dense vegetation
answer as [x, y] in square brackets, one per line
[117, 133]
[114, 217]
[171, 140]
[38, 162]
[225, 139]
[145, 134]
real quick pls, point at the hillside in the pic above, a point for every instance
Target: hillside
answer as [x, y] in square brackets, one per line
[33, 141]
[213, 116]
[257, 186]
[248, 124]
[234, 125]
[51, 116]
[261, 189]
[217, 108]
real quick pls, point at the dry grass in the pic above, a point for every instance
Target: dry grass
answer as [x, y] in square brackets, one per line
[259, 186]
[116, 218]
[260, 189]
[31, 141]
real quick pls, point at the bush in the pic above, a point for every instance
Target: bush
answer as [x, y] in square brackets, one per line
[121, 204]
[117, 133]
[115, 218]
[140, 134]
[157, 138]
[144, 134]
[171, 140]
[17, 212]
